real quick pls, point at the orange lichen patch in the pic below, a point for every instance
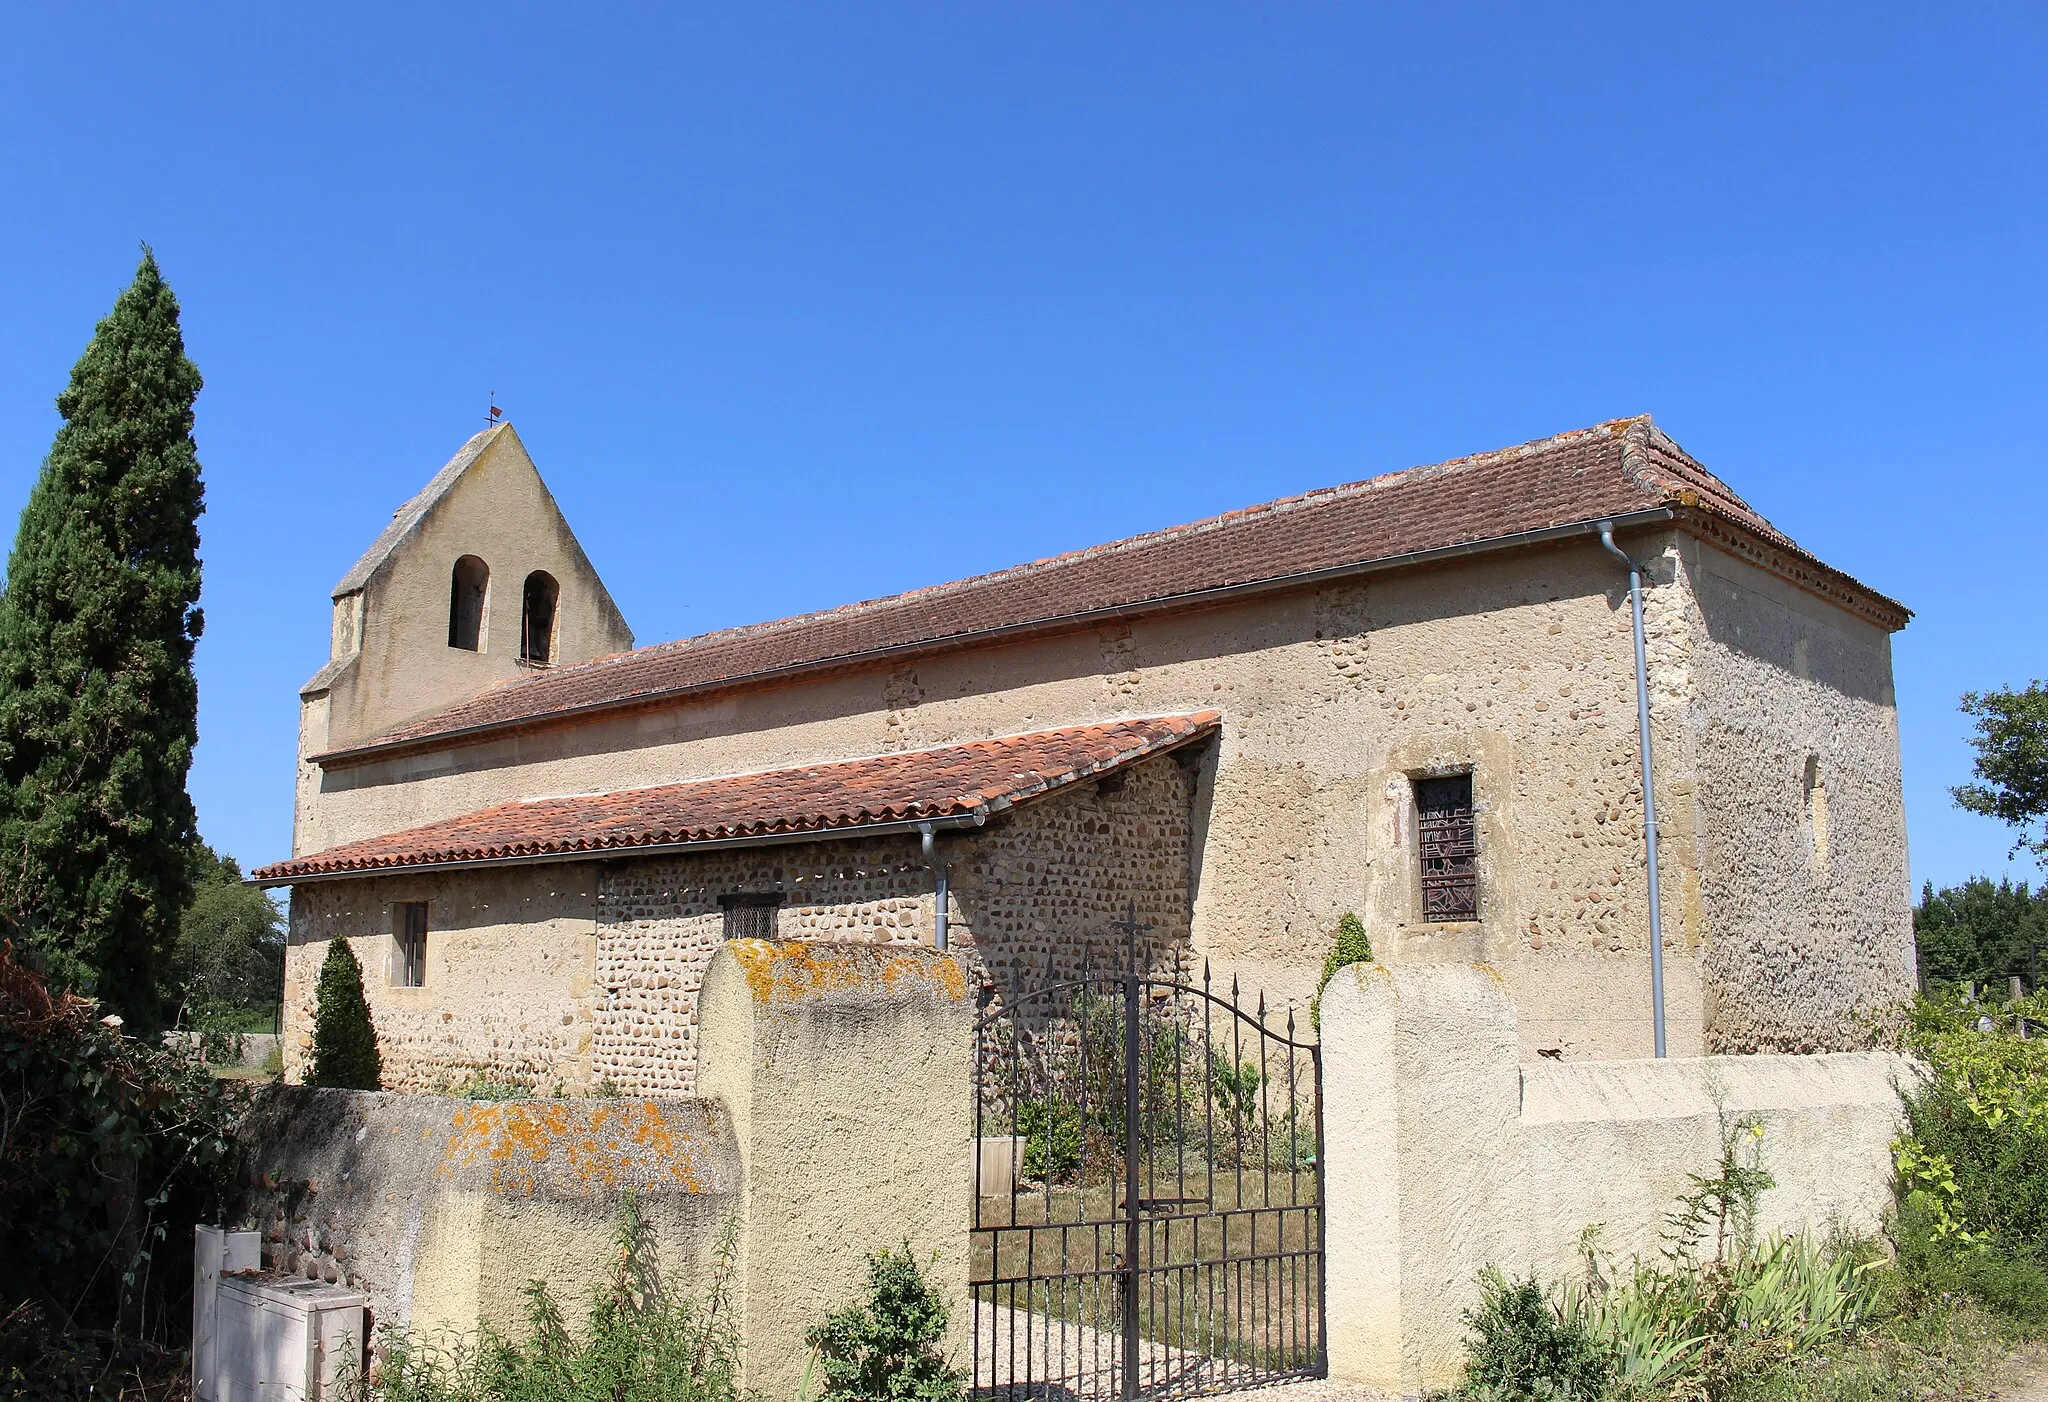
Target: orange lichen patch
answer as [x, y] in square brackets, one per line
[576, 1149]
[789, 971]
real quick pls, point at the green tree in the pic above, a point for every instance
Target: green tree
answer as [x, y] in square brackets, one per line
[2012, 762]
[1979, 932]
[98, 704]
[345, 1051]
[230, 960]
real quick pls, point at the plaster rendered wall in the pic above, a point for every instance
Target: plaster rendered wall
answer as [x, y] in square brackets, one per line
[1444, 1155]
[1517, 665]
[835, 1122]
[509, 990]
[389, 653]
[845, 1068]
[1803, 871]
[442, 1210]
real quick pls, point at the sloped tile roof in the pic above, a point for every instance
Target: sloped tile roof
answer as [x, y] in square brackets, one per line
[839, 799]
[1576, 478]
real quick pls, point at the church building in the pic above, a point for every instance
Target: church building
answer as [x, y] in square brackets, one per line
[1412, 698]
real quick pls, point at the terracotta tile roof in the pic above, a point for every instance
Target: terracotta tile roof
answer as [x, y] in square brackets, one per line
[840, 799]
[1610, 470]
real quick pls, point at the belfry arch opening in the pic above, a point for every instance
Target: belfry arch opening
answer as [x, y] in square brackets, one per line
[537, 619]
[468, 591]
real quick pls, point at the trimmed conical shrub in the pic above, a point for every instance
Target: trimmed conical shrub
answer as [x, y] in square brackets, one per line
[345, 1051]
[98, 705]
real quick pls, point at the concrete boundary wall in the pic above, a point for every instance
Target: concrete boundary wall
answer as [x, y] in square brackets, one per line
[1445, 1155]
[441, 1210]
[834, 1120]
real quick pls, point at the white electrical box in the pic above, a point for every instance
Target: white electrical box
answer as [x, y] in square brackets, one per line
[263, 1336]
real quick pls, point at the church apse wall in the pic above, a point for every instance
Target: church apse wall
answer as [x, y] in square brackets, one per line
[1802, 867]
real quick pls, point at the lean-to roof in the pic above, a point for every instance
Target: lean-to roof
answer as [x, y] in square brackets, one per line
[954, 785]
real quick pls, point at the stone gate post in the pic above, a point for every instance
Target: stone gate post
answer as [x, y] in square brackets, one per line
[847, 1072]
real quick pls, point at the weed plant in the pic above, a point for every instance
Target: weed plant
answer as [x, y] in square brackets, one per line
[640, 1342]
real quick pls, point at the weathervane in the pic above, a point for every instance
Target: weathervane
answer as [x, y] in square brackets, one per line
[495, 412]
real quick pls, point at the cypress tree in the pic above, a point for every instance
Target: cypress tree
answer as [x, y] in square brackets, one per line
[345, 1051]
[98, 704]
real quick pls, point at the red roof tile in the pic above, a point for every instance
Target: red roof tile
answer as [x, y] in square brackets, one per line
[840, 799]
[1573, 479]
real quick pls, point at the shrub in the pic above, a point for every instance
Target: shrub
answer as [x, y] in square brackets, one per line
[109, 1149]
[1528, 1344]
[1051, 1129]
[1937, 1264]
[345, 1051]
[1972, 1169]
[886, 1348]
[482, 1085]
[1351, 947]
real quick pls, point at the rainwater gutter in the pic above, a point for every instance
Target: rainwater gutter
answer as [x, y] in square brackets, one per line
[939, 879]
[1635, 604]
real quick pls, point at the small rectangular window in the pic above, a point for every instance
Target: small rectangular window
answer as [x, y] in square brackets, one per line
[409, 960]
[751, 915]
[1449, 848]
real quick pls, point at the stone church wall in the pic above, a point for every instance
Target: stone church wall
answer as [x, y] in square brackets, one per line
[1803, 860]
[1517, 667]
[585, 976]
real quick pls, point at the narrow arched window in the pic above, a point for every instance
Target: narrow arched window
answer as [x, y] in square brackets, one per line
[537, 620]
[467, 591]
[1818, 853]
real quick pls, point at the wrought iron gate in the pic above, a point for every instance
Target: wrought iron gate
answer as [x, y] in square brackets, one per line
[1148, 1191]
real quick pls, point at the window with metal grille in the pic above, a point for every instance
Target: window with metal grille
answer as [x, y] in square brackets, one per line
[1449, 848]
[751, 915]
[409, 960]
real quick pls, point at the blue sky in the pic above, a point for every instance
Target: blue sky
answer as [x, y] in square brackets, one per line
[797, 305]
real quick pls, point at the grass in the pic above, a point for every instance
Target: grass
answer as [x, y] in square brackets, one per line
[1935, 1310]
[1236, 1281]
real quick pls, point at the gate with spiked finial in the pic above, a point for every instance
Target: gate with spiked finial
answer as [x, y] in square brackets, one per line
[1151, 1222]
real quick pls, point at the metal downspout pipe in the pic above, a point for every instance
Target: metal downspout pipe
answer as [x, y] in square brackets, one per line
[1635, 603]
[939, 870]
